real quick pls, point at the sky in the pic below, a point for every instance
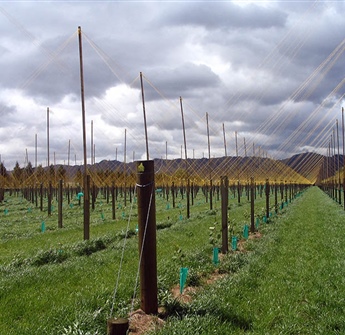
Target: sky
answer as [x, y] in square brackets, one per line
[267, 75]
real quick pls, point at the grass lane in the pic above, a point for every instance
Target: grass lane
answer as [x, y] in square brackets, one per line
[293, 283]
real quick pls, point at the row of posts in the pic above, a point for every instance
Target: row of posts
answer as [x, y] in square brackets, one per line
[147, 234]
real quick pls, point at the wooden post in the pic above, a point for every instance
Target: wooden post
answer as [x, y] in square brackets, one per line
[147, 236]
[41, 197]
[267, 193]
[113, 202]
[117, 326]
[276, 197]
[60, 204]
[343, 137]
[87, 207]
[238, 192]
[86, 177]
[252, 214]
[173, 194]
[186, 161]
[144, 112]
[224, 184]
[50, 194]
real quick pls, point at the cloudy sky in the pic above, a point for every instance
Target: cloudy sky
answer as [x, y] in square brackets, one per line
[271, 71]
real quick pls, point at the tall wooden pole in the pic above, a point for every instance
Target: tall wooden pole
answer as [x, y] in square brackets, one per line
[338, 165]
[186, 162]
[334, 167]
[226, 154]
[147, 236]
[48, 137]
[35, 151]
[209, 161]
[86, 183]
[69, 153]
[144, 112]
[125, 168]
[92, 142]
[343, 135]
[245, 147]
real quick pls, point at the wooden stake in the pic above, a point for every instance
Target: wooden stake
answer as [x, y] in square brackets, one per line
[252, 214]
[224, 184]
[117, 326]
[267, 192]
[60, 199]
[342, 130]
[338, 164]
[147, 236]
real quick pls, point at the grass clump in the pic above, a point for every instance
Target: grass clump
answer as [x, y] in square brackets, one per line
[52, 256]
[88, 247]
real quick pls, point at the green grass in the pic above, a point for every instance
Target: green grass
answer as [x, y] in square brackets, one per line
[293, 282]
[52, 282]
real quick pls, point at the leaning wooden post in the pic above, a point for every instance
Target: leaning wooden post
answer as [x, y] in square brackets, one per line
[224, 184]
[147, 236]
[252, 214]
[60, 198]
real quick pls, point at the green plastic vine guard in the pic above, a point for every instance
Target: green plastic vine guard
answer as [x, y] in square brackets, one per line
[43, 227]
[79, 195]
[246, 231]
[29, 210]
[71, 205]
[6, 211]
[102, 216]
[181, 217]
[123, 215]
[168, 206]
[215, 256]
[183, 278]
[264, 219]
[257, 223]
[234, 243]
[136, 229]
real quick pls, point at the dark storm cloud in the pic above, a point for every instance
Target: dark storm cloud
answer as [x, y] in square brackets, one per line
[241, 63]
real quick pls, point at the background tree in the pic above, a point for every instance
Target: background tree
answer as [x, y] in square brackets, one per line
[17, 174]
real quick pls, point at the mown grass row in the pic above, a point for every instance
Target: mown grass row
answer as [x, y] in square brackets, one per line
[54, 283]
[292, 282]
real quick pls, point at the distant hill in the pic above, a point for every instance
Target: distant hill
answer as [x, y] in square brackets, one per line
[302, 168]
[314, 166]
